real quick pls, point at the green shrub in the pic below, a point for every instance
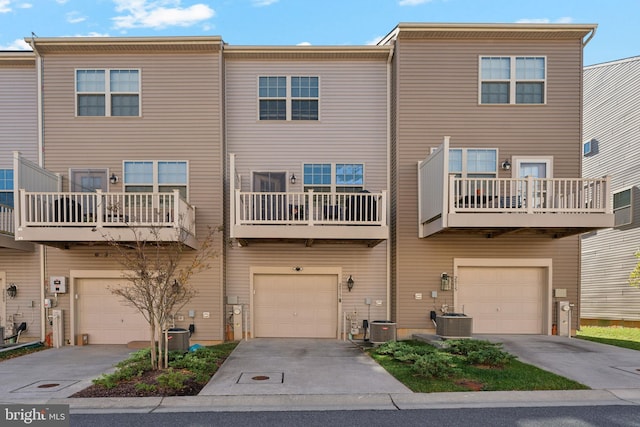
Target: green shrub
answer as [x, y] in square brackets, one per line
[491, 356]
[144, 387]
[465, 346]
[391, 347]
[435, 365]
[106, 381]
[173, 379]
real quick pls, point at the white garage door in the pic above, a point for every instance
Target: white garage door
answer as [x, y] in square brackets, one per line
[295, 306]
[503, 300]
[104, 316]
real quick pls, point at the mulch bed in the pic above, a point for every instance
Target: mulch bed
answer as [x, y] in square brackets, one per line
[128, 388]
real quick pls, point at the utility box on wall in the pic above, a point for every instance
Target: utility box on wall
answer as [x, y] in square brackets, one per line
[58, 284]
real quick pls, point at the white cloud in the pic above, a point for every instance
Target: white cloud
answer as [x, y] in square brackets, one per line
[61, 1]
[25, 5]
[75, 17]
[262, 3]
[159, 14]
[91, 34]
[412, 2]
[4, 6]
[304, 44]
[563, 20]
[374, 41]
[17, 44]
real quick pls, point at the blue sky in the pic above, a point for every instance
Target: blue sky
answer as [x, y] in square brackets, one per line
[293, 22]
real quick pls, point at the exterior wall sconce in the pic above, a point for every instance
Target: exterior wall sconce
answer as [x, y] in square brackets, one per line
[293, 178]
[113, 178]
[350, 283]
[506, 165]
[445, 282]
[12, 291]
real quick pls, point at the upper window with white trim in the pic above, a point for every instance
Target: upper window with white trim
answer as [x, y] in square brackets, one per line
[288, 97]
[334, 177]
[105, 92]
[6, 187]
[473, 163]
[156, 176]
[513, 79]
[622, 207]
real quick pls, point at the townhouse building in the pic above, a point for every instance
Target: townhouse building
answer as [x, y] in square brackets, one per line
[438, 171]
[610, 147]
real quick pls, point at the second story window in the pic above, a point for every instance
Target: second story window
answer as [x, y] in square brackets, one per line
[6, 187]
[622, 207]
[104, 92]
[513, 80]
[288, 98]
[156, 176]
[473, 163]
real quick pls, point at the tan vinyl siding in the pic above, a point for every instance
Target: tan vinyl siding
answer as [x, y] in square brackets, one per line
[18, 109]
[180, 120]
[611, 118]
[437, 95]
[352, 128]
[23, 269]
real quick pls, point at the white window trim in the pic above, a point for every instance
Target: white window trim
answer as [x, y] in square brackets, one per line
[156, 185]
[333, 185]
[107, 93]
[630, 205]
[512, 78]
[288, 98]
[518, 160]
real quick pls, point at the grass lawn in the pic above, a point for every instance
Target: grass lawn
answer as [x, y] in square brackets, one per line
[446, 372]
[612, 335]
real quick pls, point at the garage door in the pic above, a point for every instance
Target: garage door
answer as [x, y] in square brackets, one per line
[295, 306]
[104, 316]
[503, 300]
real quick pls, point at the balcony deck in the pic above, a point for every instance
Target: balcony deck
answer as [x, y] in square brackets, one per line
[557, 207]
[310, 217]
[7, 231]
[63, 218]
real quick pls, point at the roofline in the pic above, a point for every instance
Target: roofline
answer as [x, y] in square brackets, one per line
[613, 62]
[17, 57]
[484, 27]
[308, 51]
[65, 44]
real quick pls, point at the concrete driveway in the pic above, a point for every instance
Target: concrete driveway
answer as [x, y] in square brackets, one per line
[298, 366]
[595, 365]
[56, 372]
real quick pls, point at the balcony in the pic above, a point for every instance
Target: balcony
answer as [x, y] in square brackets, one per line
[558, 207]
[7, 231]
[62, 218]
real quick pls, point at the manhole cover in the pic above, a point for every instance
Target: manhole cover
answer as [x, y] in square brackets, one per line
[260, 378]
[48, 385]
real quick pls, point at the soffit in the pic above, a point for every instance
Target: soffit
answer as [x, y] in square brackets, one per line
[347, 53]
[105, 45]
[21, 59]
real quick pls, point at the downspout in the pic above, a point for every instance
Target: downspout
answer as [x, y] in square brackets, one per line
[389, 241]
[222, 152]
[40, 120]
[593, 33]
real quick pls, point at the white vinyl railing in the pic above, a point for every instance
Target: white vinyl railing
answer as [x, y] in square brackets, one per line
[310, 208]
[529, 195]
[46, 209]
[6, 220]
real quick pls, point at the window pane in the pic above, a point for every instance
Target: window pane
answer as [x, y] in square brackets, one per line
[481, 161]
[138, 173]
[455, 160]
[272, 87]
[496, 68]
[6, 198]
[622, 199]
[495, 93]
[172, 172]
[304, 87]
[317, 174]
[139, 189]
[169, 189]
[349, 174]
[6, 179]
[304, 110]
[273, 110]
[125, 105]
[529, 93]
[91, 105]
[529, 68]
[90, 81]
[124, 81]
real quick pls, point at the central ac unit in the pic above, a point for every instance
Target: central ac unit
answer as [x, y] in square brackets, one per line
[382, 331]
[454, 325]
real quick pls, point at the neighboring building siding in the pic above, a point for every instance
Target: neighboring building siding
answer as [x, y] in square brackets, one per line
[437, 95]
[19, 132]
[181, 110]
[612, 119]
[352, 129]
